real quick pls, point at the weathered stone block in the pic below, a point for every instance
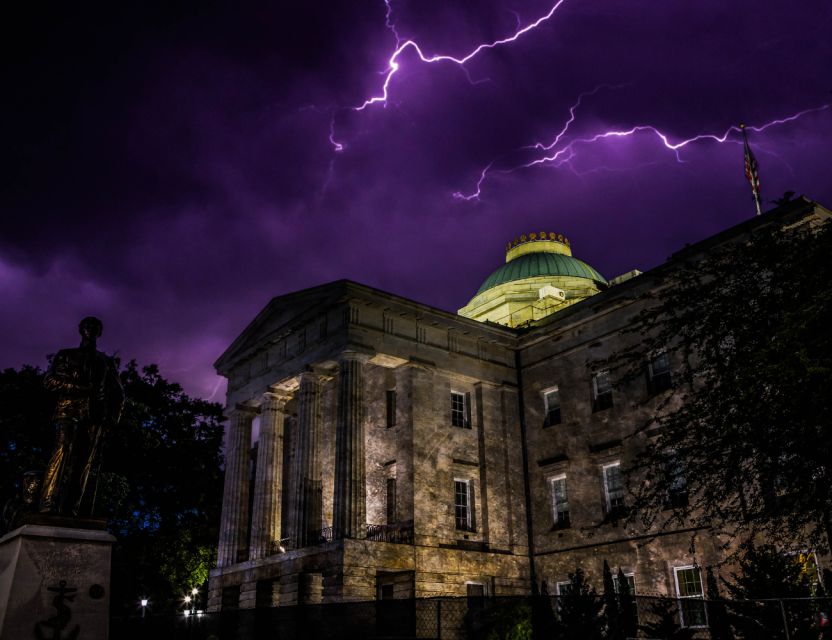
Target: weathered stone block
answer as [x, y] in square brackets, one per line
[54, 580]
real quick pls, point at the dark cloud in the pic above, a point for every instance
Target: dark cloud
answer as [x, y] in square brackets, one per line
[169, 167]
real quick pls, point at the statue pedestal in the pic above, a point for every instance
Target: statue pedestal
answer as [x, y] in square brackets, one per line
[54, 580]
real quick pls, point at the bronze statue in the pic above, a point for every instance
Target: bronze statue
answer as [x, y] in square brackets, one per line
[89, 402]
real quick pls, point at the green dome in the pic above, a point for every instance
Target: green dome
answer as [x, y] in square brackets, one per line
[532, 265]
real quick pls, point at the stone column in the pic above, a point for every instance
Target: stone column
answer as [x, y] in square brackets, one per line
[234, 520]
[265, 518]
[350, 503]
[307, 506]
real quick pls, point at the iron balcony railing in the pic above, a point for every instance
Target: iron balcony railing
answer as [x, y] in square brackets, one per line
[395, 533]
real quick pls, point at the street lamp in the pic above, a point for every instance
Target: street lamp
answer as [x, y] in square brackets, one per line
[143, 603]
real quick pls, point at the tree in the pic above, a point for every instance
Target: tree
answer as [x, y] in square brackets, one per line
[741, 442]
[765, 573]
[612, 610]
[160, 485]
[717, 613]
[628, 607]
[580, 609]
[26, 436]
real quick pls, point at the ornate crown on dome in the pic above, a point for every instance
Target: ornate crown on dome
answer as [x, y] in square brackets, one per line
[536, 237]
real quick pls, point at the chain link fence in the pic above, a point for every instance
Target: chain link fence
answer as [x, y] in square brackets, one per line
[498, 618]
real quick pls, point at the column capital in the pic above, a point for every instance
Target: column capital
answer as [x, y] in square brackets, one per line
[354, 356]
[275, 399]
[314, 376]
[241, 410]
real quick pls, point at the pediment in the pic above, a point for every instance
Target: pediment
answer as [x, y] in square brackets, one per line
[278, 317]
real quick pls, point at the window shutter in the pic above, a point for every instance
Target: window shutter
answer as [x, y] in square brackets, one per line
[472, 506]
[467, 410]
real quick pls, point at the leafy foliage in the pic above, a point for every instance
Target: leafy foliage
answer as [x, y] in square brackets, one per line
[510, 621]
[581, 609]
[160, 485]
[765, 572]
[26, 436]
[741, 444]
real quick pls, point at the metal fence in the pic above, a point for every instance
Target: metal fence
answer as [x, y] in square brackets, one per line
[496, 618]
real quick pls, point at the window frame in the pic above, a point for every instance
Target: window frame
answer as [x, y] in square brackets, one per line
[601, 401]
[627, 574]
[558, 521]
[390, 511]
[466, 410]
[610, 508]
[663, 380]
[548, 420]
[700, 597]
[677, 483]
[469, 516]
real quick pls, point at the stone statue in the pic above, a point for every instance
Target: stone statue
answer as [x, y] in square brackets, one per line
[89, 402]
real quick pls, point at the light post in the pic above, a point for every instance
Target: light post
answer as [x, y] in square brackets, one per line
[188, 603]
[143, 602]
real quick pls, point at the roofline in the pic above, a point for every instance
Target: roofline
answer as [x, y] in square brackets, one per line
[351, 285]
[799, 205]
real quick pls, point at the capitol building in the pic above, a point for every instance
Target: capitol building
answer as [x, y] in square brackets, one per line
[381, 448]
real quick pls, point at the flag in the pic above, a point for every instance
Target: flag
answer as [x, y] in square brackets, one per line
[751, 173]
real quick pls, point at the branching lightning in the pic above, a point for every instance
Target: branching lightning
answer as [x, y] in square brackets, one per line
[401, 47]
[559, 152]
[393, 64]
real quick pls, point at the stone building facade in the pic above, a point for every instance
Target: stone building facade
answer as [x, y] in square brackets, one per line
[403, 451]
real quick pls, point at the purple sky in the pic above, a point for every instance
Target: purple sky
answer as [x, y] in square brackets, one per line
[170, 169]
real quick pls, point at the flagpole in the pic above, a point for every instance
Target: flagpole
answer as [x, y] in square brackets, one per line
[751, 170]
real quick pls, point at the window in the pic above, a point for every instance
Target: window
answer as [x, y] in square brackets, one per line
[461, 409]
[560, 501]
[613, 488]
[658, 373]
[677, 486]
[391, 408]
[551, 404]
[391, 500]
[631, 582]
[691, 598]
[601, 391]
[463, 505]
[563, 588]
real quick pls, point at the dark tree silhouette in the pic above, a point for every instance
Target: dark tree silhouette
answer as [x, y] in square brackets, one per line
[746, 328]
[160, 485]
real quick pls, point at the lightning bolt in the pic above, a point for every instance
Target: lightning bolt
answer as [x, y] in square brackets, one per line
[393, 64]
[557, 153]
